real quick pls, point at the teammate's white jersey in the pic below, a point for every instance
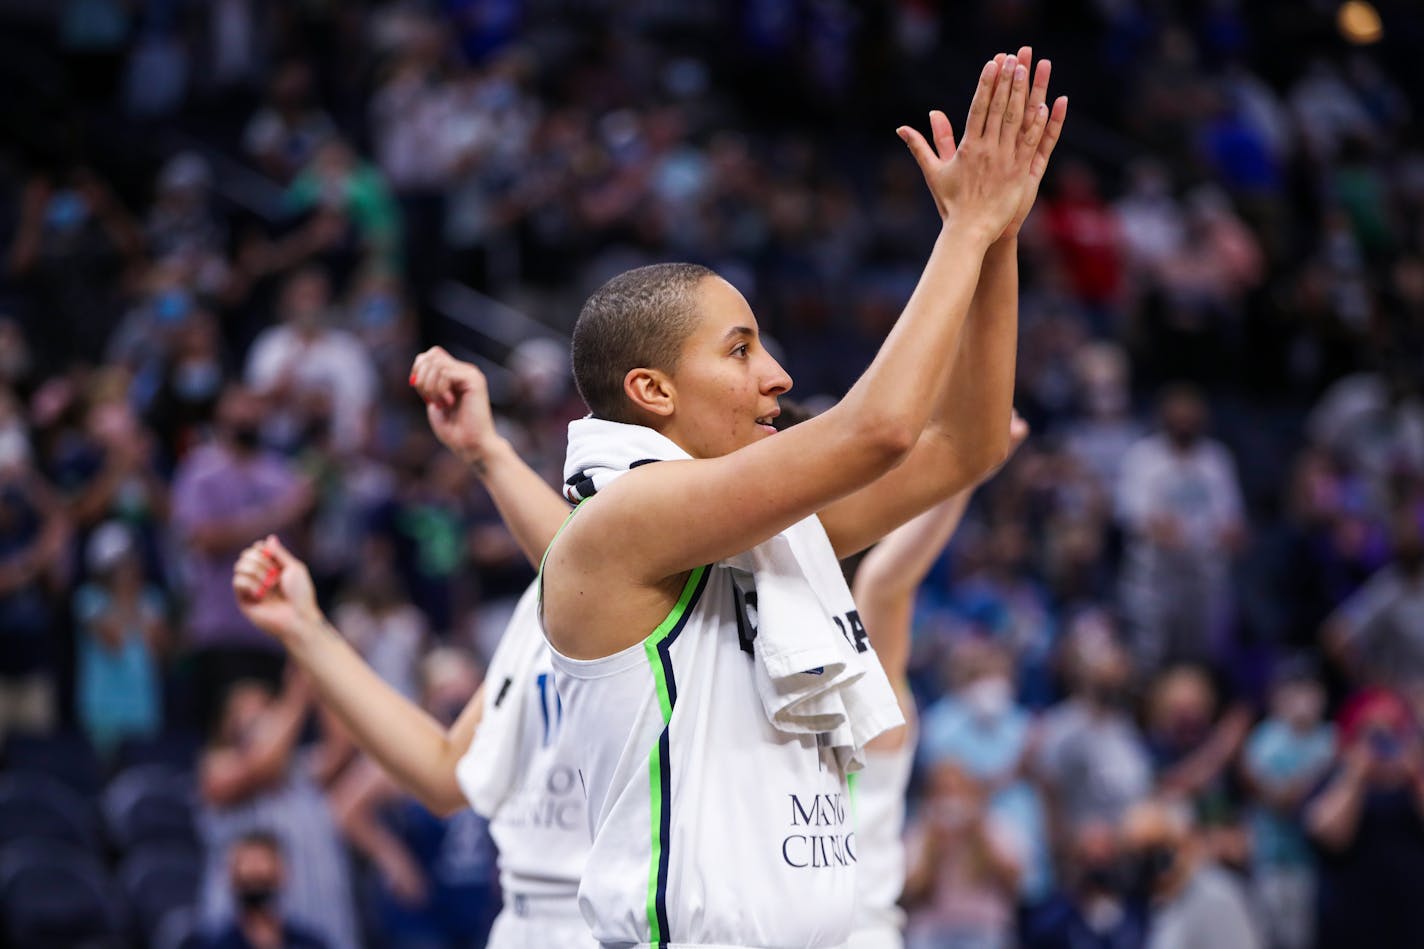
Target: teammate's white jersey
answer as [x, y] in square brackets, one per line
[880, 846]
[540, 825]
[711, 827]
[541, 830]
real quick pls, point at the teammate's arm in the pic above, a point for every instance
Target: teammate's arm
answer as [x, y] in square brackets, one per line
[888, 577]
[406, 741]
[967, 431]
[664, 519]
[457, 405]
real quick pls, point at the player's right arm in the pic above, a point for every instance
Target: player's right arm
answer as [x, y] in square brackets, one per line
[662, 520]
[408, 743]
[457, 405]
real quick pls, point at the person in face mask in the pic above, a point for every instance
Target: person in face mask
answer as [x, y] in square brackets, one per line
[1180, 506]
[1093, 909]
[224, 494]
[258, 873]
[1092, 759]
[1367, 823]
[1193, 902]
[964, 868]
[253, 778]
[1283, 761]
[1378, 632]
[981, 729]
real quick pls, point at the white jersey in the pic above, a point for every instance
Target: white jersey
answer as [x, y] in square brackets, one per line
[541, 830]
[710, 826]
[540, 823]
[879, 798]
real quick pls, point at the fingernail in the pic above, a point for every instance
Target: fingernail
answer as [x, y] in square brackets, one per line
[412, 378]
[1020, 74]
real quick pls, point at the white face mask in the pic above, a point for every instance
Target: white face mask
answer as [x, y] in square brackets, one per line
[988, 698]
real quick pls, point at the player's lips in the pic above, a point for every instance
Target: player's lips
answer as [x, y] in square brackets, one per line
[765, 421]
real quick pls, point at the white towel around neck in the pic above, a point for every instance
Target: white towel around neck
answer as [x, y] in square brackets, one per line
[813, 673]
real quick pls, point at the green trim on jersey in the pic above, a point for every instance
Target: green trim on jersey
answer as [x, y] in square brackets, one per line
[658, 795]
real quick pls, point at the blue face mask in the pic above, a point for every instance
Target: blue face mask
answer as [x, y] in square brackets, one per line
[66, 210]
[194, 382]
[171, 306]
[378, 311]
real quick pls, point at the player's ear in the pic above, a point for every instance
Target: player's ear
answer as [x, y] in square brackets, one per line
[650, 390]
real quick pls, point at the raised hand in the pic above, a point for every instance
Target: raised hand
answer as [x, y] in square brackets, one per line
[274, 589]
[1037, 96]
[1004, 149]
[456, 403]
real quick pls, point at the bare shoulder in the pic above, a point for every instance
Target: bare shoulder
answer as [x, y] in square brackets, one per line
[598, 599]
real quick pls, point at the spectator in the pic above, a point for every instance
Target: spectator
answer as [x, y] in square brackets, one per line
[341, 187]
[1100, 438]
[74, 239]
[1374, 423]
[284, 135]
[1379, 630]
[1284, 761]
[1093, 910]
[1193, 740]
[1088, 239]
[381, 622]
[224, 494]
[183, 224]
[1194, 902]
[438, 885]
[1091, 758]
[1181, 509]
[965, 867]
[123, 632]
[985, 734]
[33, 534]
[1368, 825]
[258, 875]
[314, 374]
[252, 778]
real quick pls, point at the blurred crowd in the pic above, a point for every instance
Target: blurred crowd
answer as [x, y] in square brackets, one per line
[1171, 670]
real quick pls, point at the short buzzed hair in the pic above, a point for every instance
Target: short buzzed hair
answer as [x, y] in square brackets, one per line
[637, 320]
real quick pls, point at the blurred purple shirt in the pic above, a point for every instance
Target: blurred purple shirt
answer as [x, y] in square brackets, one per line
[212, 485]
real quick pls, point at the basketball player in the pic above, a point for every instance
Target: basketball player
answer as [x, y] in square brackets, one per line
[541, 826]
[884, 588]
[713, 827]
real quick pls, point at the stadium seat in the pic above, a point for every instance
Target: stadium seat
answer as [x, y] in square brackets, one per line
[158, 879]
[53, 895]
[177, 750]
[67, 757]
[150, 803]
[36, 806]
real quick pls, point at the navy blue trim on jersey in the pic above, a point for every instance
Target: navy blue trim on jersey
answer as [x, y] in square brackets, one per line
[665, 759]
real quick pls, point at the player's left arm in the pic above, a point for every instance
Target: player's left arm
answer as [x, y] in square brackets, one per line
[970, 420]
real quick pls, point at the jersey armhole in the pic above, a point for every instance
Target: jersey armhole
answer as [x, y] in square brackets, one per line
[539, 579]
